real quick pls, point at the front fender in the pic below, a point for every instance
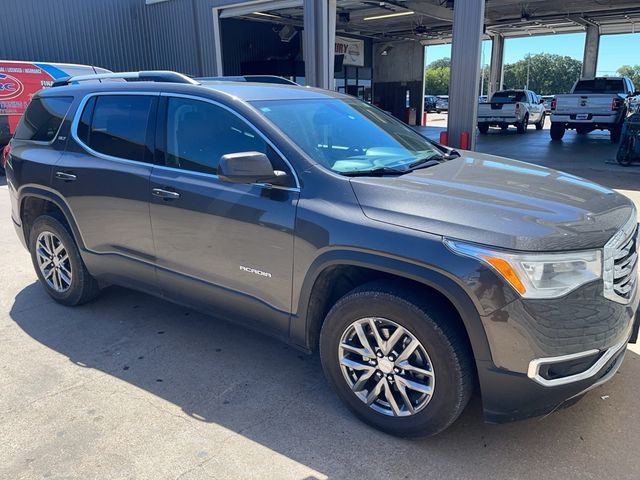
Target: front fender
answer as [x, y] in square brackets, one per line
[438, 280]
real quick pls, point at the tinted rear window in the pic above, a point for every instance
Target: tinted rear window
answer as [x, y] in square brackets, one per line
[43, 118]
[117, 125]
[508, 96]
[600, 85]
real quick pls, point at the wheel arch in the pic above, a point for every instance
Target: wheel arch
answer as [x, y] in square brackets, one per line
[324, 284]
[35, 201]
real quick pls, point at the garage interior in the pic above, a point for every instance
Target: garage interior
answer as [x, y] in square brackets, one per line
[388, 40]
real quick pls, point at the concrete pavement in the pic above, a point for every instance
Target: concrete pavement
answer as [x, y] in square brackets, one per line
[132, 387]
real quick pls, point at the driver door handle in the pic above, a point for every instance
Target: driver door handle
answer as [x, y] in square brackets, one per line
[165, 194]
[67, 177]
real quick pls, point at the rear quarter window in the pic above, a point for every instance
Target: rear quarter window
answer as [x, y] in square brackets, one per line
[43, 118]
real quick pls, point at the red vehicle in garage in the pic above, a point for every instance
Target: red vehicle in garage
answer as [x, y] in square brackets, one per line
[19, 81]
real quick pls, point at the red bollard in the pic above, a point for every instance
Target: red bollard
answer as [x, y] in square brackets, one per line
[464, 140]
[424, 119]
[444, 138]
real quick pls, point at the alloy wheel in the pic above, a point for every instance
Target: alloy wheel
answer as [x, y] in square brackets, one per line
[386, 366]
[54, 262]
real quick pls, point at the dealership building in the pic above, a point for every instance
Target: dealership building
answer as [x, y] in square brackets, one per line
[373, 50]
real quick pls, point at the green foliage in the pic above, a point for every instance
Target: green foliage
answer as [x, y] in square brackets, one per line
[436, 81]
[549, 74]
[632, 72]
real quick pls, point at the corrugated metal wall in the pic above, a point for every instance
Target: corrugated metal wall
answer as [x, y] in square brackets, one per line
[114, 34]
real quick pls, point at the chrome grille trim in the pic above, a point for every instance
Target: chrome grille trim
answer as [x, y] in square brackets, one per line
[620, 263]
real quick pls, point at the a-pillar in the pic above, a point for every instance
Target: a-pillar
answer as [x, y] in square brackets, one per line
[468, 23]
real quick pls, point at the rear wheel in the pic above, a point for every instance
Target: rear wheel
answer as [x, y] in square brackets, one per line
[58, 264]
[399, 363]
[484, 128]
[522, 126]
[557, 131]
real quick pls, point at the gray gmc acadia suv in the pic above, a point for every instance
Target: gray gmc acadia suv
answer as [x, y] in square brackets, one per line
[417, 271]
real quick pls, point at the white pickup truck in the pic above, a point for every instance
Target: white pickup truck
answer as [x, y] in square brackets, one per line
[594, 103]
[511, 107]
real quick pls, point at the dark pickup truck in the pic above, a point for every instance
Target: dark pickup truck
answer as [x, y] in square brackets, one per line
[417, 271]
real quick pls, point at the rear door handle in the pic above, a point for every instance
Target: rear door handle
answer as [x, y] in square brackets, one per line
[165, 194]
[67, 177]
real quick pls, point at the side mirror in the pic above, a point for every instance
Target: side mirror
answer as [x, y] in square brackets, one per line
[250, 167]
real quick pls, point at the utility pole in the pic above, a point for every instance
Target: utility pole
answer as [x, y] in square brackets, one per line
[528, 69]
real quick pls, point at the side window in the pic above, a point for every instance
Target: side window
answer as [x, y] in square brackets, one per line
[199, 133]
[43, 118]
[117, 125]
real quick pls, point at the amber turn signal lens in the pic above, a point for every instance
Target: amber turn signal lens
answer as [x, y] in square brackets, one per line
[507, 272]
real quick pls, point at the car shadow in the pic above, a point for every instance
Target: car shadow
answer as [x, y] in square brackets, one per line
[217, 372]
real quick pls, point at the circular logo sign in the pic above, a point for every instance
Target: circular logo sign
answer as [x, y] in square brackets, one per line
[10, 87]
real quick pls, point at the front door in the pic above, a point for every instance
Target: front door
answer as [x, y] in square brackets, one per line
[226, 248]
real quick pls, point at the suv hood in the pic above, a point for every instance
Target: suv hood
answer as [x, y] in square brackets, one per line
[498, 202]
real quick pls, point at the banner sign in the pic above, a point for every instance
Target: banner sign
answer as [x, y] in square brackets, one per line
[352, 49]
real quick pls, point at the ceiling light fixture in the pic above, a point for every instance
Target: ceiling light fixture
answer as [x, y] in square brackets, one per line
[262, 14]
[390, 15]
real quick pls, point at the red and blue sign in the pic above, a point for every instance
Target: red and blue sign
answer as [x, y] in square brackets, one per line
[10, 87]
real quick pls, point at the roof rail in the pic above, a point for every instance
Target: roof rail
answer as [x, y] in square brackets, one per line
[145, 76]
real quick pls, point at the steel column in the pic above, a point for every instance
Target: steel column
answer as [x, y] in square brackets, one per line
[217, 43]
[468, 23]
[591, 47]
[496, 70]
[319, 42]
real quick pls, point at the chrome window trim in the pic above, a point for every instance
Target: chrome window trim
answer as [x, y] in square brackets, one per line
[250, 124]
[55, 137]
[533, 371]
[608, 259]
[87, 148]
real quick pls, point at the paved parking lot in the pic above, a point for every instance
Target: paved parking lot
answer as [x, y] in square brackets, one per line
[131, 387]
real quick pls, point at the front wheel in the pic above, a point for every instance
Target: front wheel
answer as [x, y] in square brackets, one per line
[540, 124]
[615, 134]
[625, 152]
[58, 264]
[397, 361]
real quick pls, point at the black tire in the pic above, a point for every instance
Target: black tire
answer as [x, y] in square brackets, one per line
[625, 152]
[83, 286]
[557, 131]
[540, 124]
[615, 133]
[484, 128]
[522, 126]
[430, 323]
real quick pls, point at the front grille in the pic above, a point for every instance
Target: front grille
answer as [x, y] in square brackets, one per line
[620, 263]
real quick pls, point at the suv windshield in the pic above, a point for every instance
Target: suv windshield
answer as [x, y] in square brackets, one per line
[600, 85]
[348, 135]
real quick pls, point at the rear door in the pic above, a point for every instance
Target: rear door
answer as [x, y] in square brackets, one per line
[104, 177]
[226, 248]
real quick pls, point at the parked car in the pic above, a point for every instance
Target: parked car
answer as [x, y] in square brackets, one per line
[546, 101]
[20, 80]
[482, 99]
[595, 103]
[430, 102]
[442, 104]
[511, 107]
[316, 218]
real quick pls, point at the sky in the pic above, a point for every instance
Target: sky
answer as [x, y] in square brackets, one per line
[614, 49]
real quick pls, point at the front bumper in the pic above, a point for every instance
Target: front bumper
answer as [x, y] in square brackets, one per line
[527, 337]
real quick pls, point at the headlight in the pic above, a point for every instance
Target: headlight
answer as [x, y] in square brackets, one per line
[537, 275]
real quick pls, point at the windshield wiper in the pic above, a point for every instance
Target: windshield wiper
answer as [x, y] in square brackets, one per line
[374, 172]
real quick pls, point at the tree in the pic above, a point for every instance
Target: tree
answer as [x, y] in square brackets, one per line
[547, 73]
[632, 72]
[436, 77]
